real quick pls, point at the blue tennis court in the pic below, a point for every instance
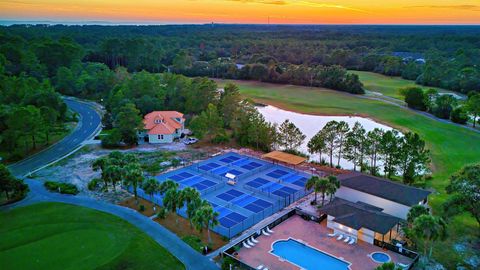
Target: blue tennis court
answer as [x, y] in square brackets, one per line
[279, 189]
[257, 182]
[295, 179]
[181, 176]
[227, 217]
[230, 195]
[209, 166]
[252, 203]
[277, 173]
[260, 190]
[251, 165]
[229, 159]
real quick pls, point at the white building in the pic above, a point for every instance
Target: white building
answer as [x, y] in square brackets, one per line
[367, 207]
[394, 198]
[162, 126]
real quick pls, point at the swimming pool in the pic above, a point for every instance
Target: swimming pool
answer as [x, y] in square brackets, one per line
[380, 257]
[306, 257]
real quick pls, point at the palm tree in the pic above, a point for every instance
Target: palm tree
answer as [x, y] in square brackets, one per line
[100, 164]
[429, 229]
[133, 177]
[310, 184]
[322, 186]
[333, 186]
[150, 187]
[113, 174]
[173, 201]
[192, 199]
[164, 186]
[205, 217]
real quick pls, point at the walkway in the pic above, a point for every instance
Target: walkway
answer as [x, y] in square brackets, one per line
[189, 257]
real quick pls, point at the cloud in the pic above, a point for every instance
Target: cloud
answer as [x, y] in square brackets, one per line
[312, 4]
[462, 7]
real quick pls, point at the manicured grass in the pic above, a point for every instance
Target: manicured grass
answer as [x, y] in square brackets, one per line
[62, 236]
[387, 85]
[451, 147]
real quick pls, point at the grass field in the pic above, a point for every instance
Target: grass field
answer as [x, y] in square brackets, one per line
[60, 236]
[451, 147]
[387, 85]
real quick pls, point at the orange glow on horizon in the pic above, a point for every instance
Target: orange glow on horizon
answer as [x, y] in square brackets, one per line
[247, 11]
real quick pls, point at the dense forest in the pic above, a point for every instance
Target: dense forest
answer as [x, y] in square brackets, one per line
[302, 55]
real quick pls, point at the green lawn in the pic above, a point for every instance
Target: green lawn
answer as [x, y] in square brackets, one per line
[61, 236]
[451, 147]
[387, 85]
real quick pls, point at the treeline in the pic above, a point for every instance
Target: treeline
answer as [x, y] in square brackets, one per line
[30, 112]
[404, 155]
[429, 54]
[443, 106]
[11, 188]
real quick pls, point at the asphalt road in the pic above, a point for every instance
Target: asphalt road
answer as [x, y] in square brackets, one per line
[89, 123]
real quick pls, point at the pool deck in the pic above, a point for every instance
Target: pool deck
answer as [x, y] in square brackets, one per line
[315, 235]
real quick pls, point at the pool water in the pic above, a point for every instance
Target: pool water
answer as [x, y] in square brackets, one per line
[380, 257]
[307, 257]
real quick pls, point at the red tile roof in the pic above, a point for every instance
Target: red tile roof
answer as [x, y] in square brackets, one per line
[162, 122]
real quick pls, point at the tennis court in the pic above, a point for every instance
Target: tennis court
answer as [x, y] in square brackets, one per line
[260, 190]
[189, 179]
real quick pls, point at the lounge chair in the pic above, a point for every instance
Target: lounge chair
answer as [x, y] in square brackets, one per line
[402, 265]
[260, 267]
[340, 237]
[265, 233]
[268, 230]
[254, 240]
[352, 241]
[347, 239]
[250, 243]
[332, 234]
[245, 245]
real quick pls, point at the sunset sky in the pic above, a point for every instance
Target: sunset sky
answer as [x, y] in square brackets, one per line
[247, 11]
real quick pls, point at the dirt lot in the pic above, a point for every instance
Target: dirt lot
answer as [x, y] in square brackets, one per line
[132, 203]
[182, 229]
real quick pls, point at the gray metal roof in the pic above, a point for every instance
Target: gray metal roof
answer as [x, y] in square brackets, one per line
[358, 215]
[384, 188]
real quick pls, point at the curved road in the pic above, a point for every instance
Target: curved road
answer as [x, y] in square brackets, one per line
[88, 125]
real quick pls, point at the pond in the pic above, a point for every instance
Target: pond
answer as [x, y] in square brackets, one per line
[311, 124]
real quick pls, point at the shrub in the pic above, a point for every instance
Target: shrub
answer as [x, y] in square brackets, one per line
[162, 213]
[92, 185]
[227, 261]
[63, 188]
[415, 98]
[459, 116]
[222, 137]
[112, 140]
[142, 208]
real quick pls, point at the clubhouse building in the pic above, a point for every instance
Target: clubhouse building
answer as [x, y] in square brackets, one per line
[162, 127]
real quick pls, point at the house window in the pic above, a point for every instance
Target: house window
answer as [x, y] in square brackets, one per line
[160, 137]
